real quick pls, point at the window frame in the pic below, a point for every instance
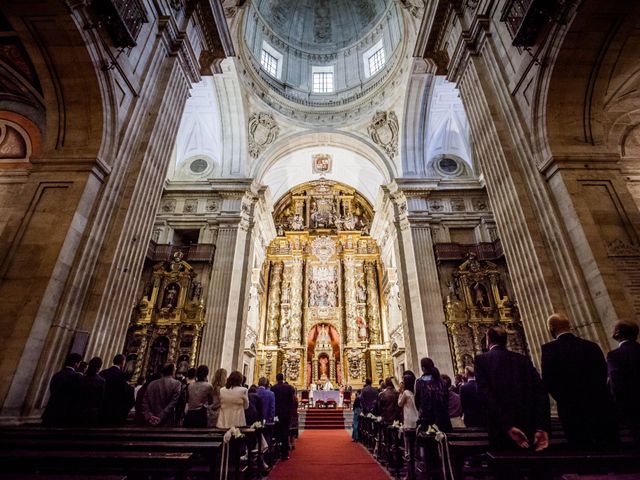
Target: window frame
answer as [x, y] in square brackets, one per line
[276, 55]
[369, 54]
[323, 72]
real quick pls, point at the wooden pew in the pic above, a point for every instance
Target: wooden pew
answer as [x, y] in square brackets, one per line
[91, 462]
[204, 443]
[542, 465]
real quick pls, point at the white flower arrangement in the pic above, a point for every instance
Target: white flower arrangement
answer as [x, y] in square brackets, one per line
[370, 415]
[232, 432]
[276, 419]
[396, 424]
[257, 425]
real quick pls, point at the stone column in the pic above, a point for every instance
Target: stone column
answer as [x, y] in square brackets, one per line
[227, 296]
[420, 295]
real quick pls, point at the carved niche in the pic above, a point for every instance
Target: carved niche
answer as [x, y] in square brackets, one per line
[383, 130]
[263, 130]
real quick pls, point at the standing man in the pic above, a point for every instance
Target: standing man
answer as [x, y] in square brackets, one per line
[575, 374]
[161, 398]
[473, 408]
[369, 397]
[624, 375]
[63, 394]
[118, 394]
[517, 403]
[284, 394]
[267, 401]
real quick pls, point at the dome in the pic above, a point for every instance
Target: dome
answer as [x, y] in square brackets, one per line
[309, 59]
[321, 25]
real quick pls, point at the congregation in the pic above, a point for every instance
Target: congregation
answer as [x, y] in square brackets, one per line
[100, 398]
[506, 395]
[503, 393]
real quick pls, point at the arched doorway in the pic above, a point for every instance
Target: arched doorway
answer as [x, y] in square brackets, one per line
[323, 281]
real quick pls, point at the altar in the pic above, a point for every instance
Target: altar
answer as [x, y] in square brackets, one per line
[326, 395]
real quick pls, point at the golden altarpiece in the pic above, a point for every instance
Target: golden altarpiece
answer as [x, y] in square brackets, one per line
[477, 299]
[323, 315]
[167, 323]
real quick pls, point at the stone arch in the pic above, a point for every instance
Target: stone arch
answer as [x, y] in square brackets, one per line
[19, 140]
[588, 87]
[347, 141]
[65, 95]
[584, 107]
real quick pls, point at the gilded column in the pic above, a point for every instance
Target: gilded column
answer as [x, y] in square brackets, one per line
[274, 303]
[373, 303]
[296, 300]
[350, 299]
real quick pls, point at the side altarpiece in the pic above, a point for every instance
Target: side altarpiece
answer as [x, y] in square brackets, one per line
[166, 325]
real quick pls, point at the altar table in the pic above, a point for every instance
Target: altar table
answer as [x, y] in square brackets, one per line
[325, 395]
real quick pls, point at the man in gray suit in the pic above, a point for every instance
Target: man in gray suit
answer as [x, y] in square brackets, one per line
[161, 397]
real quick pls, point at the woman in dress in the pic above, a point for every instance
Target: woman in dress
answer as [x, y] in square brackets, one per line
[233, 402]
[407, 402]
[219, 381]
[199, 395]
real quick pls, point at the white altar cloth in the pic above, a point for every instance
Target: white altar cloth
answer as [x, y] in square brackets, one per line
[325, 395]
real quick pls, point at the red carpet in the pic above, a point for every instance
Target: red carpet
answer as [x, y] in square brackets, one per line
[328, 454]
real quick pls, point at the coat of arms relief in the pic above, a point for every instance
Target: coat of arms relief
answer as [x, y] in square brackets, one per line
[263, 131]
[383, 130]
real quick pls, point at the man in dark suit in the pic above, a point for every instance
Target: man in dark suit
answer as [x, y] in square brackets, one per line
[368, 397]
[624, 375]
[118, 394]
[284, 394]
[575, 374]
[63, 390]
[473, 408]
[517, 403]
[388, 407]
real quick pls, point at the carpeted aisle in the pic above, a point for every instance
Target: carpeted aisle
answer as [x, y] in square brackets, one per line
[328, 454]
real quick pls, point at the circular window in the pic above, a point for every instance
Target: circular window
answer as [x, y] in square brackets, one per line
[448, 165]
[199, 165]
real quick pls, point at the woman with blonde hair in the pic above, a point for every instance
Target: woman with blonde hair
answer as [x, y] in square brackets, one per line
[219, 381]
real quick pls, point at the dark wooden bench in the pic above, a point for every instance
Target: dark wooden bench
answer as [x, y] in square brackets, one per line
[129, 463]
[204, 443]
[543, 465]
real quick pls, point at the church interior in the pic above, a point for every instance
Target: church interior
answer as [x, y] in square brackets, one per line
[330, 190]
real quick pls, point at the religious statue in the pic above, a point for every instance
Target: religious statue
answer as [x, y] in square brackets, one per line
[197, 291]
[286, 290]
[323, 365]
[284, 331]
[170, 297]
[323, 336]
[349, 222]
[453, 293]
[361, 292]
[297, 223]
[480, 295]
[362, 328]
